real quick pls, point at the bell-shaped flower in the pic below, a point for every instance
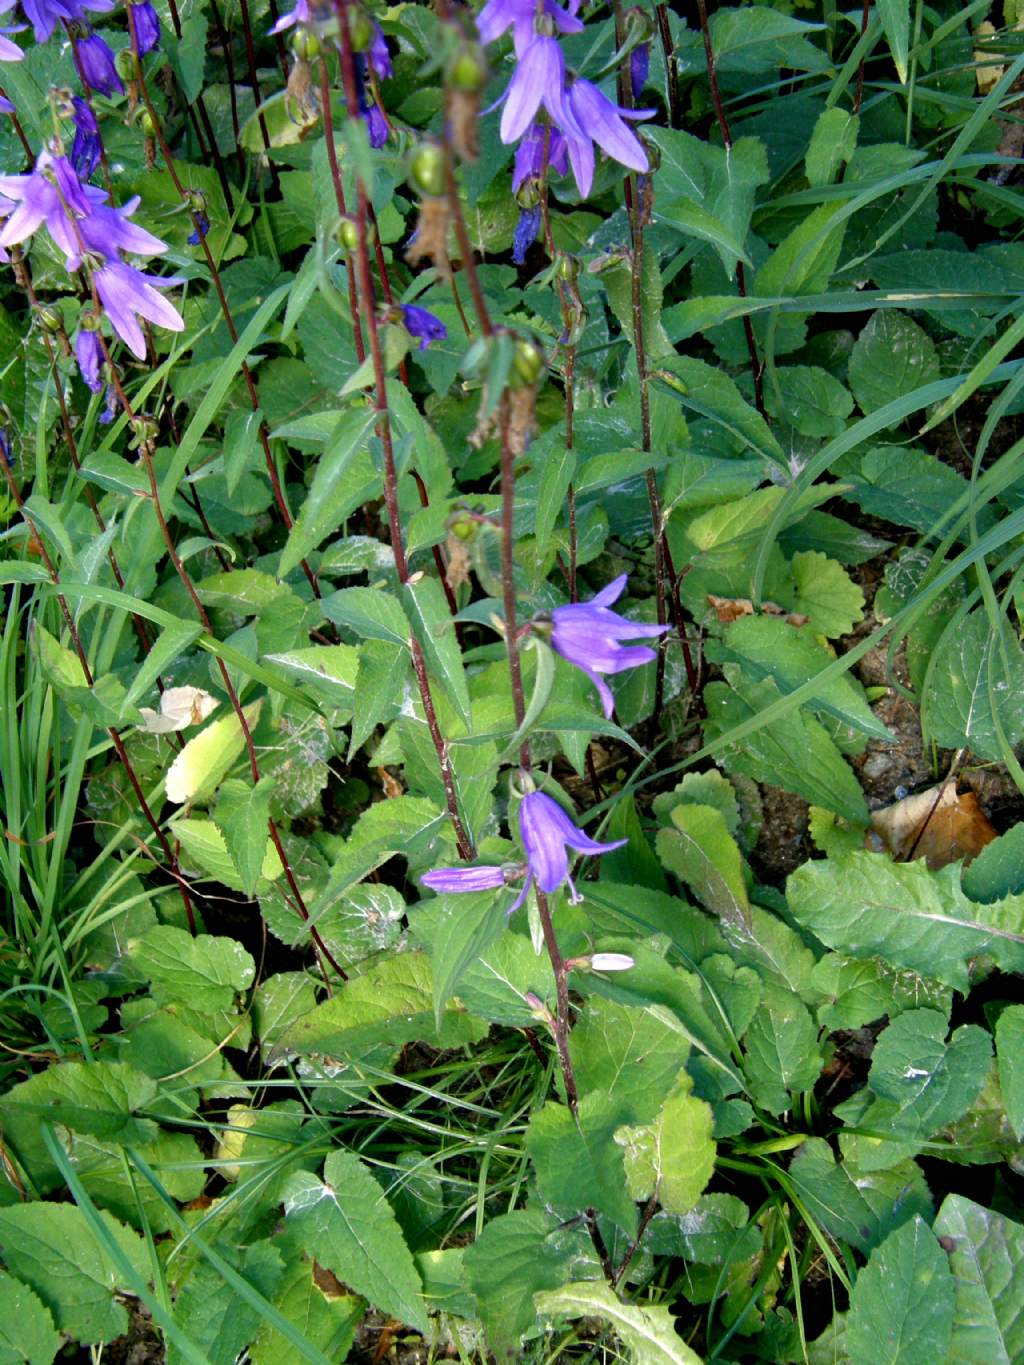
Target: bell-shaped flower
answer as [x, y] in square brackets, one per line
[147, 25]
[588, 635]
[420, 322]
[547, 832]
[49, 196]
[46, 15]
[96, 64]
[85, 149]
[10, 52]
[89, 354]
[301, 14]
[125, 292]
[594, 118]
[455, 879]
[529, 161]
[538, 82]
[498, 16]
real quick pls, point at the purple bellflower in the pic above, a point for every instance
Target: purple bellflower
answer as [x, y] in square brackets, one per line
[125, 291]
[538, 80]
[11, 52]
[45, 197]
[423, 324]
[147, 25]
[639, 67]
[6, 457]
[372, 114]
[546, 832]
[96, 65]
[200, 230]
[497, 16]
[378, 55]
[526, 233]
[594, 118]
[45, 15]
[529, 162]
[299, 15]
[6, 107]
[587, 634]
[85, 149]
[89, 354]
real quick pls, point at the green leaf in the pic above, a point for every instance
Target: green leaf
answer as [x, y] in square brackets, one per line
[101, 1098]
[327, 1321]
[496, 986]
[987, 1261]
[648, 1333]
[27, 1333]
[210, 1310]
[618, 282]
[345, 478]
[556, 475]
[467, 926]
[855, 1206]
[892, 357]
[1010, 1052]
[908, 487]
[242, 815]
[200, 766]
[825, 592]
[998, 870]
[895, 17]
[349, 1222]
[865, 906]
[203, 844]
[810, 400]
[700, 850]
[329, 670]
[794, 753]
[279, 1002]
[976, 678]
[392, 1003]
[55, 1251]
[783, 1057]
[242, 448]
[516, 1255]
[831, 146]
[372, 613]
[710, 392]
[921, 1083]
[901, 1308]
[629, 1053]
[767, 646]
[172, 641]
[203, 972]
[577, 1161]
[673, 1158]
[860, 990]
[715, 1231]
[432, 622]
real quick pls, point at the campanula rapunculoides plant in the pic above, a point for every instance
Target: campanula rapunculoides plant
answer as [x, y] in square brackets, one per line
[510, 681]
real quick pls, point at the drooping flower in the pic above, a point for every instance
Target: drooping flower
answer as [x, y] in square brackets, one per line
[89, 354]
[45, 15]
[372, 114]
[6, 107]
[299, 15]
[498, 16]
[587, 634]
[85, 149]
[6, 457]
[547, 832]
[423, 324]
[529, 161]
[538, 82]
[596, 119]
[639, 67]
[147, 26]
[455, 879]
[200, 230]
[125, 291]
[11, 52]
[46, 196]
[108, 229]
[96, 62]
[525, 233]
[378, 55]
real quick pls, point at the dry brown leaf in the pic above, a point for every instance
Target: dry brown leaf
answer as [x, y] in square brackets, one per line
[390, 783]
[729, 609]
[939, 825]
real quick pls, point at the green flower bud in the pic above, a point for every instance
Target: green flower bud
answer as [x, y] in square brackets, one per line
[568, 267]
[527, 362]
[305, 44]
[125, 63]
[348, 234]
[147, 123]
[467, 69]
[426, 170]
[50, 319]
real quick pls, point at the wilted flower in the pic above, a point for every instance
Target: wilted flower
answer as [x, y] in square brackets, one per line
[497, 16]
[85, 149]
[587, 634]
[596, 119]
[125, 291]
[89, 354]
[96, 62]
[423, 324]
[147, 26]
[546, 832]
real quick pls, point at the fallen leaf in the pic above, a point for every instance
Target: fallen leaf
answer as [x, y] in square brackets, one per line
[729, 609]
[938, 825]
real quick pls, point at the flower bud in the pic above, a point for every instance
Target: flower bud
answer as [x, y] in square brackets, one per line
[527, 362]
[639, 26]
[464, 529]
[426, 170]
[147, 123]
[196, 201]
[305, 44]
[145, 428]
[360, 29]
[348, 234]
[50, 319]
[568, 267]
[467, 69]
[126, 65]
[611, 962]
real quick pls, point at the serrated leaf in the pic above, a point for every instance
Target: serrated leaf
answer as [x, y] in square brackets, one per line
[203, 972]
[326, 1321]
[648, 1333]
[831, 146]
[866, 906]
[699, 849]
[987, 1261]
[213, 1313]
[54, 1250]
[860, 990]
[556, 475]
[27, 1333]
[783, 1057]
[577, 1161]
[205, 760]
[810, 400]
[346, 1217]
[630, 1054]
[344, 478]
[242, 815]
[432, 622]
[1010, 1052]
[976, 677]
[279, 1002]
[901, 1308]
[710, 392]
[825, 592]
[855, 1206]
[673, 1158]
[203, 843]
[715, 1231]
[891, 357]
[242, 449]
[372, 613]
[466, 927]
